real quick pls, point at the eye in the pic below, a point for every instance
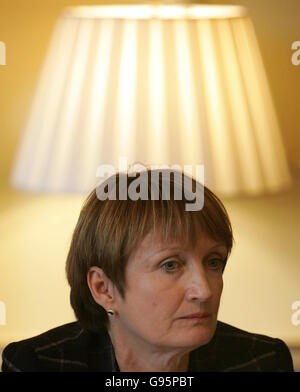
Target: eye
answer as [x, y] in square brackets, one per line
[171, 266]
[216, 264]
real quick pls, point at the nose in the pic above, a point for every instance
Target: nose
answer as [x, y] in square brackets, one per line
[198, 287]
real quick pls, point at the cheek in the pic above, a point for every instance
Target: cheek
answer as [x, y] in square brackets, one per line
[151, 296]
[219, 290]
[216, 285]
[142, 293]
[220, 285]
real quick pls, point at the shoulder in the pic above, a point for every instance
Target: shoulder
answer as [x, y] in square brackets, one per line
[46, 351]
[247, 351]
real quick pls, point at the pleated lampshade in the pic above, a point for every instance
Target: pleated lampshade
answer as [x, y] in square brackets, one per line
[159, 85]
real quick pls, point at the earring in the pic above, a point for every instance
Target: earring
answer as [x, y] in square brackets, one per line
[110, 312]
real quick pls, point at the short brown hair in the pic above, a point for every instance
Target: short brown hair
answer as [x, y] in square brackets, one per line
[108, 231]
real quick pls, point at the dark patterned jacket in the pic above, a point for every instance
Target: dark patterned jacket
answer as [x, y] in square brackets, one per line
[71, 348]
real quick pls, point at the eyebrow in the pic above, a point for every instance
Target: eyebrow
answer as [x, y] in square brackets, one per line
[161, 251]
[218, 245]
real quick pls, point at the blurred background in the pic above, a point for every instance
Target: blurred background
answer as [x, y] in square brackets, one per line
[262, 279]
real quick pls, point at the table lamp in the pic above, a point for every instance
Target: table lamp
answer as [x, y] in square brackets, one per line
[157, 84]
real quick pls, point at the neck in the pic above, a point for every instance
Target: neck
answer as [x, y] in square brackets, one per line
[137, 356]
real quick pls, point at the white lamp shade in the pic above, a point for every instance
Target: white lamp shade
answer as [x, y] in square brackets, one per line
[157, 84]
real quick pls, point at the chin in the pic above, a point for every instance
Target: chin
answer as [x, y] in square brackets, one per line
[199, 335]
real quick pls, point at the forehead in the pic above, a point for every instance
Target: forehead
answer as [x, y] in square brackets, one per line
[154, 243]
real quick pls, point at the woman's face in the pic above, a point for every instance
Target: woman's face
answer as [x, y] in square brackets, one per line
[168, 283]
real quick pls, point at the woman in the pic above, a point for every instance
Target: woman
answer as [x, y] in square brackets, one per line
[146, 281]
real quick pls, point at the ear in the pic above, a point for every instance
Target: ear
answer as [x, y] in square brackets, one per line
[101, 288]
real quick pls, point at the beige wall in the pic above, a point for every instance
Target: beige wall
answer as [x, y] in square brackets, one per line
[263, 275]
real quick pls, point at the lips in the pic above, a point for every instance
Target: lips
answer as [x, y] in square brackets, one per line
[200, 315]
